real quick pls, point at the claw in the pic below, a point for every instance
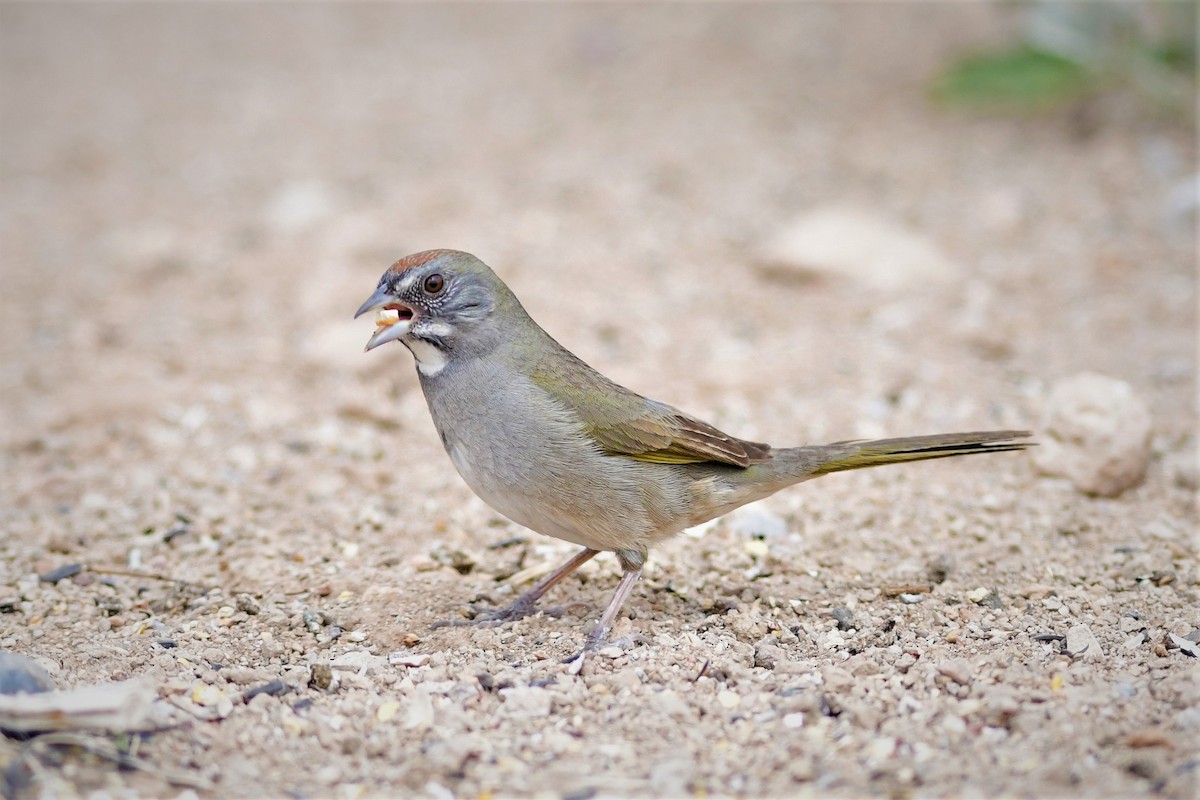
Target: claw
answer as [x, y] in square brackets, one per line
[491, 617]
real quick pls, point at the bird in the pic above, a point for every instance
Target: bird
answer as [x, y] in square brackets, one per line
[557, 447]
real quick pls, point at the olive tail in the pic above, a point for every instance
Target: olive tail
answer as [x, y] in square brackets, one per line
[791, 465]
[841, 456]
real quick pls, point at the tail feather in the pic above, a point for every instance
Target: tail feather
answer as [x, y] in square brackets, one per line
[858, 454]
[735, 486]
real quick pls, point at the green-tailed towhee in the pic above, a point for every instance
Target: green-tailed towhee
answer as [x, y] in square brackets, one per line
[557, 447]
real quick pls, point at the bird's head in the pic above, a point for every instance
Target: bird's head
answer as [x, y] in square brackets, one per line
[436, 302]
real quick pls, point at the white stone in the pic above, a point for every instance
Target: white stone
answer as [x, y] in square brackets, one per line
[387, 710]
[728, 699]
[359, 661]
[1081, 642]
[1186, 645]
[1096, 433]
[755, 520]
[978, 595]
[854, 244]
[526, 702]
[418, 716]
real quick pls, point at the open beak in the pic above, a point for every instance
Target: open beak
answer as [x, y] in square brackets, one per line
[392, 319]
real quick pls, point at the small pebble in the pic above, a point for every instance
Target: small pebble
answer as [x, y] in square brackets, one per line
[728, 699]
[956, 670]
[1081, 642]
[881, 748]
[978, 595]
[408, 659]
[757, 548]
[22, 675]
[844, 617]
[321, 676]
[273, 689]
[940, 567]
[387, 711]
[1149, 737]
[248, 604]
[61, 573]
[1185, 645]
[205, 694]
[767, 653]
[419, 714]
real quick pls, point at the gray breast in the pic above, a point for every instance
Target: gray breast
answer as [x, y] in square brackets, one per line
[529, 458]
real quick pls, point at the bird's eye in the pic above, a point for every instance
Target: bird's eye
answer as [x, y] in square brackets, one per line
[434, 283]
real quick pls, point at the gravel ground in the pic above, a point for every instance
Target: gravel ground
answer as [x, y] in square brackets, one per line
[197, 197]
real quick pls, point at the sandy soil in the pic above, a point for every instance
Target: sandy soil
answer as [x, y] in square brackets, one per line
[195, 200]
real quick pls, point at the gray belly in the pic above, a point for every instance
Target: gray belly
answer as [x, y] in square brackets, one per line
[529, 459]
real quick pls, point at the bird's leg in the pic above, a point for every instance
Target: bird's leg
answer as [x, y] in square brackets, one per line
[631, 566]
[523, 606]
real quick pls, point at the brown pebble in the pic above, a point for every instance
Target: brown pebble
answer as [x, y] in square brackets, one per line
[1148, 737]
[324, 590]
[1162, 578]
[321, 676]
[906, 588]
[411, 639]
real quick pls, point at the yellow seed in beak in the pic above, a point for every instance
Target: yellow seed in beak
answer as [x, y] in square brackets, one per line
[387, 317]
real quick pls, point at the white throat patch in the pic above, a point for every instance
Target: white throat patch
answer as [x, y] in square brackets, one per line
[430, 359]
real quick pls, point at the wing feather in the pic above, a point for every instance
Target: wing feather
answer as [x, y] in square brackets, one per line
[627, 424]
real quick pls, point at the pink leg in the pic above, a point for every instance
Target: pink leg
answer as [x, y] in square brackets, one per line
[598, 636]
[523, 605]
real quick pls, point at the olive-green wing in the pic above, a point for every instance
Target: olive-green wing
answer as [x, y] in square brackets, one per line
[627, 424]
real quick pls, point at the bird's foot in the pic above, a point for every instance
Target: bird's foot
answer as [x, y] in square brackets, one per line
[487, 617]
[598, 643]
